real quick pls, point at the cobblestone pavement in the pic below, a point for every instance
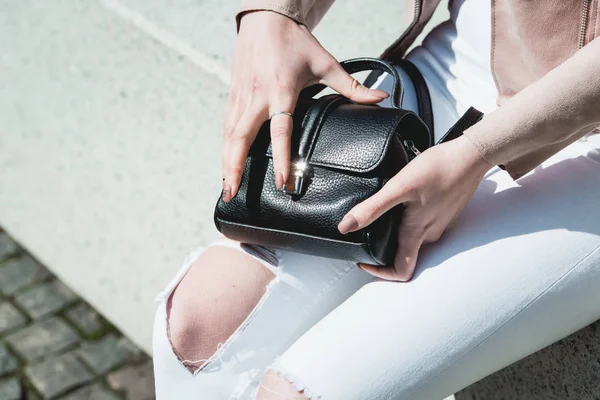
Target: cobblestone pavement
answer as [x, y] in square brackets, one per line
[53, 345]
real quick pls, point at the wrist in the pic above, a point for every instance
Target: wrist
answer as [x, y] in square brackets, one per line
[472, 156]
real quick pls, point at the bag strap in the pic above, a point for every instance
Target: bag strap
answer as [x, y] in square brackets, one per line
[422, 93]
[469, 118]
[365, 64]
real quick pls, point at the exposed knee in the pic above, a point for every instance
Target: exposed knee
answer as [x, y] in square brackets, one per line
[212, 300]
[273, 386]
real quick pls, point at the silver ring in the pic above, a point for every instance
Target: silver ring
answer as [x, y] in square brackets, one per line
[280, 112]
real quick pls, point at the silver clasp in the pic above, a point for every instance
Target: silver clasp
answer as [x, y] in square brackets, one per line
[295, 181]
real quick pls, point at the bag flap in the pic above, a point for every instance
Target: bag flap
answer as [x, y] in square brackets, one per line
[353, 137]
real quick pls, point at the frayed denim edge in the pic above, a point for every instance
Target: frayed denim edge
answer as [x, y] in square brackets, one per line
[163, 297]
[284, 373]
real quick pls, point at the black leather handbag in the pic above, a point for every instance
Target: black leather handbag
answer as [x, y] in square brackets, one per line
[342, 153]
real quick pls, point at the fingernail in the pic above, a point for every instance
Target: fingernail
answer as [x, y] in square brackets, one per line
[380, 94]
[349, 223]
[226, 192]
[279, 180]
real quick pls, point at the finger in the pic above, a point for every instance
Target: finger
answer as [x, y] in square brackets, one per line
[281, 134]
[363, 214]
[383, 272]
[237, 151]
[404, 263]
[342, 82]
[233, 112]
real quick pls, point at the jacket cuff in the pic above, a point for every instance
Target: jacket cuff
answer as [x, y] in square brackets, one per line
[284, 8]
[545, 117]
[498, 152]
[488, 151]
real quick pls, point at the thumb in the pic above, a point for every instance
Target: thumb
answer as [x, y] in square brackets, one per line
[342, 82]
[366, 212]
[404, 262]
[409, 243]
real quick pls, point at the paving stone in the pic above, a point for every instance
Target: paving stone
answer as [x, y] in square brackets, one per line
[8, 362]
[93, 392]
[85, 318]
[19, 273]
[45, 299]
[10, 317]
[8, 247]
[42, 338]
[10, 389]
[30, 394]
[136, 381]
[56, 375]
[107, 353]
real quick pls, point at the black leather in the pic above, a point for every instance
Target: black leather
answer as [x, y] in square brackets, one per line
[423, 100]
[350, 151]
[469, 118]
[364, 132]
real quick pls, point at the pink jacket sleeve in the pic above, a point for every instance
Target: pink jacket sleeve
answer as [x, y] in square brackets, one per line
[306, 12]
[545, 117]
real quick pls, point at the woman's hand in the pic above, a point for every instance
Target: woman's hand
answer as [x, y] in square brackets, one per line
[274, 59]
[434, 188]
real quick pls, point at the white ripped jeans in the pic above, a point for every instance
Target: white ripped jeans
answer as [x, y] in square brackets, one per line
[519, 271]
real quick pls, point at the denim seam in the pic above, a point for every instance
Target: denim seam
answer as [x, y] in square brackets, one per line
[329, 286]
[530, 303]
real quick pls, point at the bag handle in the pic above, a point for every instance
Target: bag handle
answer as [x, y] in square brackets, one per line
[365, 64]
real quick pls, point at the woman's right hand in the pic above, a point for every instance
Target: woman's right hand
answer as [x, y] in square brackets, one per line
[275, 58]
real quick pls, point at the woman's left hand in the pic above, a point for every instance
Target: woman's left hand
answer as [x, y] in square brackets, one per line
[434, 188]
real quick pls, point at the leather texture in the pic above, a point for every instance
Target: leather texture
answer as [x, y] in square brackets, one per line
[423, 99]
[353, 137]
[350, 152]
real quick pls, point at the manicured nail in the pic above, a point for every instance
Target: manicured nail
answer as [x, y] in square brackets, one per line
[279, 180]
[380, 94]
[349, 223]
[226, 192]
